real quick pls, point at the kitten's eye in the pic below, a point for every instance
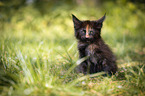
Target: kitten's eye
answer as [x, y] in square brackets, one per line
[84, 31]
[91, 32]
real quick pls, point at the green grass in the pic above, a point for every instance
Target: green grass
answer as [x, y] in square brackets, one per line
[38, 53]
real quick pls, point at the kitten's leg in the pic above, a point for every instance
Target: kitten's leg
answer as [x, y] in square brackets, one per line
[109, 67]
[106, 68]
[92, 67]
[82, 68]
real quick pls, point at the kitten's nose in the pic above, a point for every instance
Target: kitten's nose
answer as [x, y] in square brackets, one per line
[87, 36]
[87, 31]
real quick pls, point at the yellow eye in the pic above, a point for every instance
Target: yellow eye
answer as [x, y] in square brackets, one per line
[91, 32]
[84, 31]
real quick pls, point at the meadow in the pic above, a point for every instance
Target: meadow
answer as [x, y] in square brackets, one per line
[38, 50]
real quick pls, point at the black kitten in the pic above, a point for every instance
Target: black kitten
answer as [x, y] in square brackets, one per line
[90, 44]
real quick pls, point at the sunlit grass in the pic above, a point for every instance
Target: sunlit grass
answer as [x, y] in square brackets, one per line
[38, 53]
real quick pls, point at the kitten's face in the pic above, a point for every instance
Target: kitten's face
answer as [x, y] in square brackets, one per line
[87, 31]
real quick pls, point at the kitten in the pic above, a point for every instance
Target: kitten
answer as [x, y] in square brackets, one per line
[90, 44]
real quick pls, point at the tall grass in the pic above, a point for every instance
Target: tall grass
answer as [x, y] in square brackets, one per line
[38, 53]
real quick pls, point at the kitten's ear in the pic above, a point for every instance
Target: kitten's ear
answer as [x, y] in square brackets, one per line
[101, 19]
[75, 20]
[99, 22]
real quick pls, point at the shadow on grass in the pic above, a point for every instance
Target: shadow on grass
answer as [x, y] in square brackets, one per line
[6, 79]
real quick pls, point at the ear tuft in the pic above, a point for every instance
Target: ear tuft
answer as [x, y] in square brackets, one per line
[75, 19]
[101, 19]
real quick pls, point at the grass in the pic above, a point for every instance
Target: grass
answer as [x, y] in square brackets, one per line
[38, 53]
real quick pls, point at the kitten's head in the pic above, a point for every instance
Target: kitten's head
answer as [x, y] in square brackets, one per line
[87, 31]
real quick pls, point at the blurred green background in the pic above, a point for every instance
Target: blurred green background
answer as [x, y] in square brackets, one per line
[41, 33]
[50, 21]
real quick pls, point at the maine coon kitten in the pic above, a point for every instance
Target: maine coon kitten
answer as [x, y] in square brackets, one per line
[100, 57]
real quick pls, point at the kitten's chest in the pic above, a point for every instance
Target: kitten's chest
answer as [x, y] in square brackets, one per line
[91, 49]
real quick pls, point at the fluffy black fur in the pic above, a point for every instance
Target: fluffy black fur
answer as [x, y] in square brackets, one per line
[100, 57]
